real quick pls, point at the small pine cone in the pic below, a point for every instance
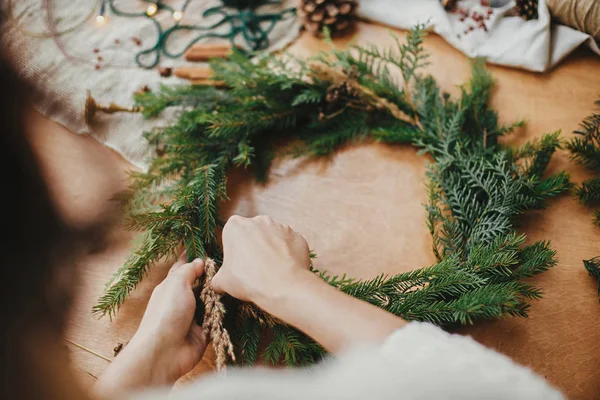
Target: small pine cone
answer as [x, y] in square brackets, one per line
[342, 92]
[527, 9]
[338, 97]
[337, 15]
[449, 4]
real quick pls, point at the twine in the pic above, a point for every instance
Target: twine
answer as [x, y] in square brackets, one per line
[213, 318]
[583, 15]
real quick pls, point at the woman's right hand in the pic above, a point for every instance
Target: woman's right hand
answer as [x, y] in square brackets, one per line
[267, 263]
[261, 257]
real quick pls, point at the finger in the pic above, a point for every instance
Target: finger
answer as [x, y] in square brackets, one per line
[198, 333]
[234, 219]
[264, 219]
[216, 284]
[198, 337]
[189, 272]
[182, 259]
[302, 240]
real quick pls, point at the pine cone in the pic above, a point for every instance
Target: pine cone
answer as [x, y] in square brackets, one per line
[448, 4]
[337, 15]
[527, 9]
[341, 93]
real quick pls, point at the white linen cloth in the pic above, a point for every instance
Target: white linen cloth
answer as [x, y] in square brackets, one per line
[535, 45]
[64, 82]
[418, 361]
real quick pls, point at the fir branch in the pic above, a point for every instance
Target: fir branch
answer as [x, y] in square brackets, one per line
[477, 188]
[592, 266]
[590, 127]
[585, 153]
[550, 187]
[153, 103]
[154, 247]
[585, 149]
[537, 154]
[247, 336]
[597, 218]
[589, 191]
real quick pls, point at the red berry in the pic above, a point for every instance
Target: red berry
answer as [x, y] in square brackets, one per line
[485, 3]
[100, 58]
[96, 50]
[97, 66]
[490, 11]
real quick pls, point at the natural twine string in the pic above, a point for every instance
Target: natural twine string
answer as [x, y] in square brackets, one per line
[583, 15]
[213, 318]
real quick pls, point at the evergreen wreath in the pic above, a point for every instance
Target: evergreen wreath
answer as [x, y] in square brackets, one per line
[585, 149]
[477, 187]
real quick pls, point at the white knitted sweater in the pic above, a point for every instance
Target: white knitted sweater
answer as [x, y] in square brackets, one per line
[419, 361]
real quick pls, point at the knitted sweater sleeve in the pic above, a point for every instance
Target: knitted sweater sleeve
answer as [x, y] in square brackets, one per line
[418, 361]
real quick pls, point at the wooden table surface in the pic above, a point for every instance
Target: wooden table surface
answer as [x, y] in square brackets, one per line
[362, 212]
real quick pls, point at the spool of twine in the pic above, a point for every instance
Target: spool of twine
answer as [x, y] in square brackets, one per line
[583, 15]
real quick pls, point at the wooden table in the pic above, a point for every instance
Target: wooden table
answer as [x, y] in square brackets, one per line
[362, 212]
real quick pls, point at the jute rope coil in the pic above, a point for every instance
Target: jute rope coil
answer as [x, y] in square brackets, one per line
[583, 15]
[213, 318]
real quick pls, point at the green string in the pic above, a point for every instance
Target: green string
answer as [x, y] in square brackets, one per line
[240, 15]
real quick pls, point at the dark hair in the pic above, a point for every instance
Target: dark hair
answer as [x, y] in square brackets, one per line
[33, 249]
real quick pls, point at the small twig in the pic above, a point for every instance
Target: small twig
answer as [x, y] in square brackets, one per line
[485, 135]
[412, 104]
[324, 117]
[88, 350]
[325, 72]
[90, 374]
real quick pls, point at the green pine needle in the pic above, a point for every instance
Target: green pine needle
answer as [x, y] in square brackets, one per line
[585, 149]
[589, 191]
[593, 268]
[477, 188]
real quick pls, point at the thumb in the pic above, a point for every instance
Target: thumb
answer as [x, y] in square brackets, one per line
[216, 283]
[189, 272]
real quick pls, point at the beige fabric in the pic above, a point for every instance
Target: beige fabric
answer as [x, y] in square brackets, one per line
[536, 45]
[64, 82]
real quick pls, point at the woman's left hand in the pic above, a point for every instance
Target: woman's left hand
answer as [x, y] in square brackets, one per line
[168, 343]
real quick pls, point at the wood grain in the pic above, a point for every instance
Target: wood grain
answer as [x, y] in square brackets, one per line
[361, 211]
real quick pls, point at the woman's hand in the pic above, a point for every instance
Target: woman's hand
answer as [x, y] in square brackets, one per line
[168, 343]
[267, 263]
[261, 257]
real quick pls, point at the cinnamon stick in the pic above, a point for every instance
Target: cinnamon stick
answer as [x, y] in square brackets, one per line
[204, 52]
[194, 73]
